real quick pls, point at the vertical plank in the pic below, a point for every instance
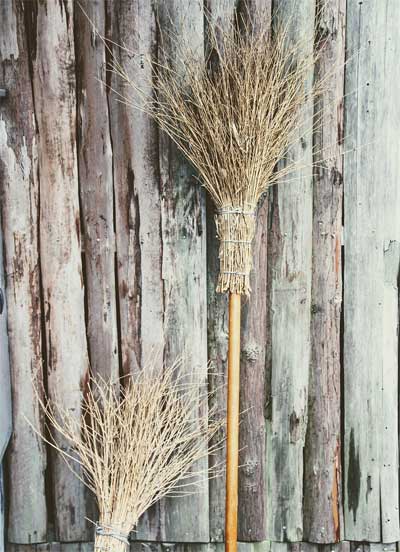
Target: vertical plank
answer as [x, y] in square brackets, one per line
[220, 14]
[137, 205]
[322, 469]
[60, 245]
[19, 204]
[161, 253]
[290, 305]
[96, 190]
[372, 231]
[252, 492]
[5, 390]
[184, 266]
[137, 191]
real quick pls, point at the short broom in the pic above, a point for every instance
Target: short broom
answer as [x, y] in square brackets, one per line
[136, 441]
[236, 116]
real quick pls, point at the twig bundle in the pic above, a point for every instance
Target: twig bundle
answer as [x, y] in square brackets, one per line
[234, 115]
[135, 444]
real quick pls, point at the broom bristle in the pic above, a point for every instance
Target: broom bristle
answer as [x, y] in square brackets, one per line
[236, 117]
[135, 443]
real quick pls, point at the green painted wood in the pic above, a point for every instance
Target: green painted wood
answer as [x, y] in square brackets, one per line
[371, 270]
[323, 514]
[290, 239]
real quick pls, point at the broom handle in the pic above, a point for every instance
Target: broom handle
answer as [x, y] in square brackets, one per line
[232, 447]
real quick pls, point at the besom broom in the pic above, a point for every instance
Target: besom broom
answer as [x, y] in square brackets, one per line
[238, 118]
[136, 440]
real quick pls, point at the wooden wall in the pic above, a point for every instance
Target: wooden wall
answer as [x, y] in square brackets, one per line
[110, 250]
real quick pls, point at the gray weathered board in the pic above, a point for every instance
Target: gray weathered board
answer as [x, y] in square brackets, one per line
[372, 255]
[5, 391]
[110, 252]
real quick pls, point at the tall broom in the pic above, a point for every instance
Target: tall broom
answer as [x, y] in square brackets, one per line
[236, 117]
[134, 443]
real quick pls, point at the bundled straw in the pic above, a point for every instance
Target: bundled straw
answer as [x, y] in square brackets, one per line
[135, 442]
[234, 115]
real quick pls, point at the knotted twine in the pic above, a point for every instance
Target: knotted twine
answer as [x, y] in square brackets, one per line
[236, 228]
[110, 538]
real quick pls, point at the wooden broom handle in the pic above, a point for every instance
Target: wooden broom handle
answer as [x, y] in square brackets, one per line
[232, 445]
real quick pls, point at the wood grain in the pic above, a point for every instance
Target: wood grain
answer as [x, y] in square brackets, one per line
[26, 458]
[137, 206]
[252, 490]
[323, 516]
[219, 13]
[60, 242]
[184, 262]
[372, 230]
[290, 305]
[160, 243]
[137, 190]
[96, 189]
[5, 391]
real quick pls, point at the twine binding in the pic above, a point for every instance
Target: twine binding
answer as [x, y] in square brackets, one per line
[235, 229]
[103, 530]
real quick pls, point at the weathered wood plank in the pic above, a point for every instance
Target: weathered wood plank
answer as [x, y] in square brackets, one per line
[60, 247]
[290, 306]
[372, 232]
[161, 254]
[138, 205]
[137, 191]
[184, 265]
[219, 13]
[262, 546]
[2, 509]
[252, 492]
[5, 390]
[96, 190]
[19, 204]
[323, 514]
